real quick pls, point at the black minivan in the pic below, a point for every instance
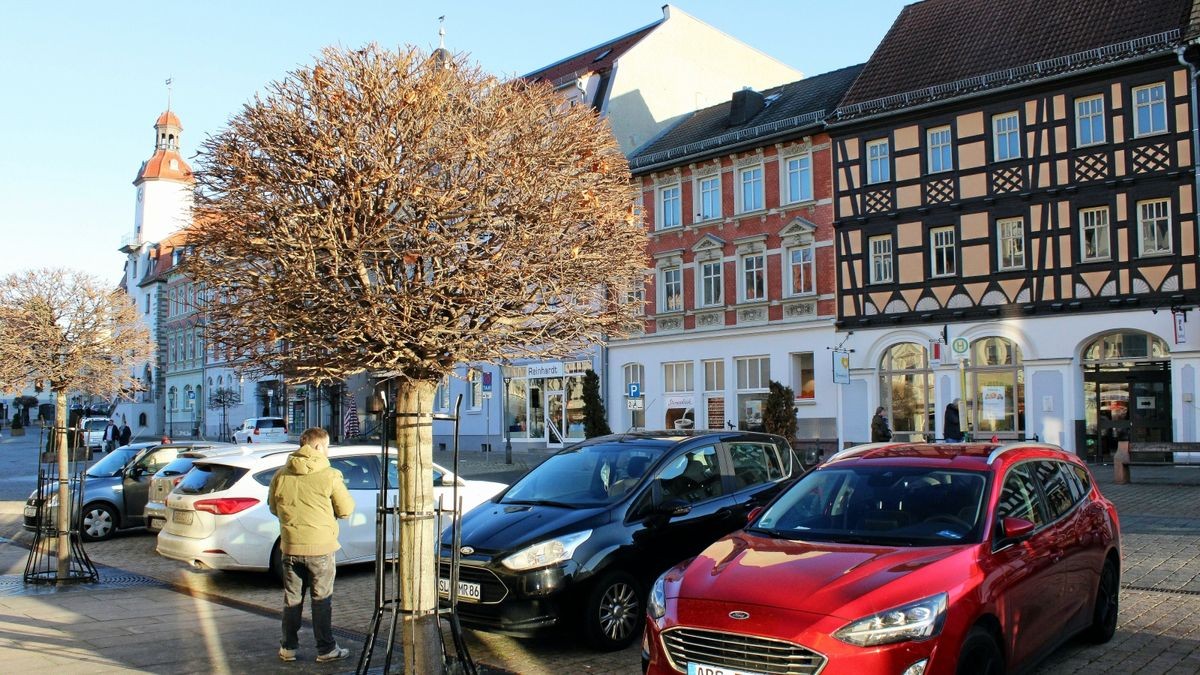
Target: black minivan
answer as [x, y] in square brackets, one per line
[579, 539]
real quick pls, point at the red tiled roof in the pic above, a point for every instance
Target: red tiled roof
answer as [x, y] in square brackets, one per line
[162, 257]
[598, 59]
[160, 166]
[168, 117]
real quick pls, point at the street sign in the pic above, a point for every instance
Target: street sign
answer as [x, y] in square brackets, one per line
[635, 403]
[960, 346]
[485, 386]
[635, 390]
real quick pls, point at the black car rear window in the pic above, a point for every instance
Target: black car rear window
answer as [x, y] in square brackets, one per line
[206, 478]
[270, 424]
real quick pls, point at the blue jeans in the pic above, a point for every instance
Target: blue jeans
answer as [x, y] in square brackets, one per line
[312, 574]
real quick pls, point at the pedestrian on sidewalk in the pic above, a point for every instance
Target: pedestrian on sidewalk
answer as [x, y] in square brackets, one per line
[126, 433]
[111, 434]
[951, 427]
[880, 431]
[308, 496]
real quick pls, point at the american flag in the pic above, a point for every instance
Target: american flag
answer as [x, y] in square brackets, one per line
[350, 419]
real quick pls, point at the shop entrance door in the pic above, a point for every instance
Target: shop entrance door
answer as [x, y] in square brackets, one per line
[556, 407]
[1127, 404]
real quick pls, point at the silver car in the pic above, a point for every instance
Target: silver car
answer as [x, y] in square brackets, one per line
[163, 482]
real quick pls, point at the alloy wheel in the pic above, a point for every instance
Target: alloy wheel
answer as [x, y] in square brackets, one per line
[618, 611]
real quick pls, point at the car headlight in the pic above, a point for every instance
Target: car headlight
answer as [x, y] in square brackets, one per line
[918, 620]
[546, 552]
[657, 605]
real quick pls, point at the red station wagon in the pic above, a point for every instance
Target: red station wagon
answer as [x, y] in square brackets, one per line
[904, 559]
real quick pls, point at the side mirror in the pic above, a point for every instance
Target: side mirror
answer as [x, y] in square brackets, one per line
[753, 514]
[674, 507]
[1016, 528]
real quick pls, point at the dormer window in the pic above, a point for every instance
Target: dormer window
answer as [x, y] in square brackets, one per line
[175, 257]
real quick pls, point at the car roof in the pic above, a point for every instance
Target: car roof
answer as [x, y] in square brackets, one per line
[965, 455]
[664, 438]
[275, 454]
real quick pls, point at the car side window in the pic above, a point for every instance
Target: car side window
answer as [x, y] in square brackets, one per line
[264, 477]
[1083, 478]
[1056, 487]
[692, 477]
[1019, 497]
[157, 459]
[357, 472]
[754, 463]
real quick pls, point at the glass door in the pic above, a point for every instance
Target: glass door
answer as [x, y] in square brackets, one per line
[556, 407]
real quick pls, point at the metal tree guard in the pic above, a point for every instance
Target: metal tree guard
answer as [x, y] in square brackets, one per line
[42, 567]
[387, 597]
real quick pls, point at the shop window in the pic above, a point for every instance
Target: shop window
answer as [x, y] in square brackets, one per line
[996, 388]
[804, 381]
[753, 385]
[906, 391]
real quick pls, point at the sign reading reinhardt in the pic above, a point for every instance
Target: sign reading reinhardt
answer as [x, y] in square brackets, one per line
[545, 369]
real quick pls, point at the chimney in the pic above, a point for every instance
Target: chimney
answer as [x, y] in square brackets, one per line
[745, 105]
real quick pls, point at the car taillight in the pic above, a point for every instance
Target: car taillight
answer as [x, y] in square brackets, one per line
[255, 431]
[225, 505]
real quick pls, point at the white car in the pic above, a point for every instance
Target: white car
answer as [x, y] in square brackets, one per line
[261, 430]
[93, 431]
[217, 517]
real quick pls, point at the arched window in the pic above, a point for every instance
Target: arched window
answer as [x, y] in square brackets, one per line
[906, 391]
[635, 372]
[1124, 346]
[142, 419]
[996, 389]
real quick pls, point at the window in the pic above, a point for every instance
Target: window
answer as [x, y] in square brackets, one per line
[1154, 225]
[474, 389]
[669, 208]
[1150, 109]
[879, 168]
[1006, 134]
[754, 464]
[1089, 120]
[753, 385]
[799, 179]
[800, 270]
[751, 181]
[694, 476]
[995, 382]
[358, 473]
[906, 391]
[441, 398]
[710, 198]
[672, 290]
[1019, 498]
[1093, 224]
[714, 375]
[941, 241]
[635, 372]
[147, 303]
[636, 296]
[753, 372]
[941, 152]
[677, 377]
[711, 283]
[1056, 486]
[804, 381]
[881, 259]
[754, 277]
[1012, 243]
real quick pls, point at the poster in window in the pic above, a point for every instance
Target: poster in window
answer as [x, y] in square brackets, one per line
[993, 403]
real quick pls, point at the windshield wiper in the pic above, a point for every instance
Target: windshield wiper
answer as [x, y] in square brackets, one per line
[540, 502]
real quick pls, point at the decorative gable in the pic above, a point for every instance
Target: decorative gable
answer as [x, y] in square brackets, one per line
[709, 247]
[798, 232]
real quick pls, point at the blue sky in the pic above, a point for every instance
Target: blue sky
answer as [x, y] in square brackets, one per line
[83, 81]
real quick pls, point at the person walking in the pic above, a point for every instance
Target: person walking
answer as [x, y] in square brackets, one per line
[308, 496]
[126, 433]
[880, 431]
[951, 428]
[111, 434]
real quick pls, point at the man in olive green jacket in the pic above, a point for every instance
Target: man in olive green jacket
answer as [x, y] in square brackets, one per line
[308, 496]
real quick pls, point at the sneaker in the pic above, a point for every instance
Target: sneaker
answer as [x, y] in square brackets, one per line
[286, 654]
[335, 654]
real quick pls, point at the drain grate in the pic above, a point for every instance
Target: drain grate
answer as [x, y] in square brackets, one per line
[1168, 591]
[13, 585]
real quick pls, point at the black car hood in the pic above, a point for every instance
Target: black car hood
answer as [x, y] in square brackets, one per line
[493, 528]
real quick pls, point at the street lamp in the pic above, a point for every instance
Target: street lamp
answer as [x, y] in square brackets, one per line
[507, 424]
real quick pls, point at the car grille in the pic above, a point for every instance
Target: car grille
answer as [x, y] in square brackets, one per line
[741, 652]
[491, 589]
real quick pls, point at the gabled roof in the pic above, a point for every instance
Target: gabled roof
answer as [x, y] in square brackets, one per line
[161, 263]
[598, 59]
[790, 107]
[938, 42]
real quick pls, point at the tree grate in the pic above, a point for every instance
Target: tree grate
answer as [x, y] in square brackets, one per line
[14, 585]
[1168, 591]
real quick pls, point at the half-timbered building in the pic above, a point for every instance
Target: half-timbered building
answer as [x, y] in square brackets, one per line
[1015, 223]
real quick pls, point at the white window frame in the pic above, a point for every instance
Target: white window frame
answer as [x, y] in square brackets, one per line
[1159, 214]
[808, 270]
[703, 269]
[672, 279]
[636, 296]
[441, 397]
[940, 154]
[757, 271]
[943, 252]
[880, 261]
[1006, 125]
[1138, 132]
[753, 374]
[679, 377]
[879, 163]
[1086, 115]
[1008, 243]
[474, 389]
[797, 363]
[703, 191]
[755, 174]
[670, 217]
[714, 375]
[1095, 219]
[799, 166]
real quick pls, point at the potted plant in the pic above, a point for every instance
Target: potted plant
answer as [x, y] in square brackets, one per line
[18, 425]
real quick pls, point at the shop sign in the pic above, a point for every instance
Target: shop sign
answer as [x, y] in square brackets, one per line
[993, 403]
[681, 401]
[546, 369]
[1180, 328]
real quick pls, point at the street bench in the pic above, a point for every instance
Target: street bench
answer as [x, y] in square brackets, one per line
[1152, 454]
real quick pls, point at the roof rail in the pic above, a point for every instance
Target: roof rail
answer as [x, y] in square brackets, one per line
[858, 450]
[1021, 445]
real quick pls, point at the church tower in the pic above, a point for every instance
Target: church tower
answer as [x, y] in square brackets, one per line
[164, 185]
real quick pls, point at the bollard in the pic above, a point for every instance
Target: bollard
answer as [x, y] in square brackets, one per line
[1121, 463]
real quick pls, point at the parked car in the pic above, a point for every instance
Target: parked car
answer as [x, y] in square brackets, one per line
[170, 475]
[261, 430]
[93, 431]
[900, 558]
[115, 489]
[578, 540]
[217, 517]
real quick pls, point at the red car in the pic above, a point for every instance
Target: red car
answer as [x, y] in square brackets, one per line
[904, 559]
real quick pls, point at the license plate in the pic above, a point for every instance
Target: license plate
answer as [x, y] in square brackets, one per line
[466, 590]
[182, 517]
[702, 669]
[30, 511]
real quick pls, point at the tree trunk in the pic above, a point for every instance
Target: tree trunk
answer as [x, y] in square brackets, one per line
[64, 492]
[418, 533]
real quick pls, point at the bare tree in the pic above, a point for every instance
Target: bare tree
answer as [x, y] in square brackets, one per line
[392, 211]
[76, 334]
[223, 398]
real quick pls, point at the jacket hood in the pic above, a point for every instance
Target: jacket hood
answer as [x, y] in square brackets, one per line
[306, 460]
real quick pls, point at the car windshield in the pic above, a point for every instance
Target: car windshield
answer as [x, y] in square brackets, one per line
[881, 505]
[112, 463]
[588, 476]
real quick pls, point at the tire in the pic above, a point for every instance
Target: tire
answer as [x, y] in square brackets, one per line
[98, 522]
[980, 655]
[615, 610]
[1104, 615]
[276, 563]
